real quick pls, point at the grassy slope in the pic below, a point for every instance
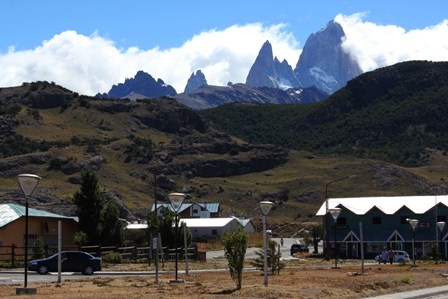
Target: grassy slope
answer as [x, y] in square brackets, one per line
[303, 178]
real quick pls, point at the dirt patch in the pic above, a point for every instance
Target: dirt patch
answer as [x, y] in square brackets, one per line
[297, 282]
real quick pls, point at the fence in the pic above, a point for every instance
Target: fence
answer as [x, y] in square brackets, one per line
[12, 253]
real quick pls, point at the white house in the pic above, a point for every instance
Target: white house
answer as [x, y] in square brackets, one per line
[210, 227]
[247, 224]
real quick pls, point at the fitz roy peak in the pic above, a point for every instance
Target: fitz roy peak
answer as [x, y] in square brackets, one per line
[270, 72]
[323, 63]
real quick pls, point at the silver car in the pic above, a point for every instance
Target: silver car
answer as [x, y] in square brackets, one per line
[400, 256]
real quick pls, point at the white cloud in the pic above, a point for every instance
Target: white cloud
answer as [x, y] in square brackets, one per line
[380, 45]
[91, 64]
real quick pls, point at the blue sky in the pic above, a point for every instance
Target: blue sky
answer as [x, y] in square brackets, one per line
[88, 46]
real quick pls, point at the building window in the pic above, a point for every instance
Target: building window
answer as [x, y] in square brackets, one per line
[341, 221]
[376, 220]
[441, 218]
[214, 232]
[195, 211]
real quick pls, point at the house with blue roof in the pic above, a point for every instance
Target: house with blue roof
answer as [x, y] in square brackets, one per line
[42, 225]
[383, 222]
[193, 210]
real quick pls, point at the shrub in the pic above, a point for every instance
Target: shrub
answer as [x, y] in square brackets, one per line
[113, 258]
[406, 279]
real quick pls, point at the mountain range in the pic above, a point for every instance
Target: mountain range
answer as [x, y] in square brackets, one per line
[387, 128]
[323, 65]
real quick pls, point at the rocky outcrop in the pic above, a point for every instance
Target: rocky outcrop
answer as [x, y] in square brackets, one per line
[236, 160]
[323, 63]
[195, 81]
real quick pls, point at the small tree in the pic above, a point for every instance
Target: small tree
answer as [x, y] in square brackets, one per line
[274, 258]
[89, 203]
[113, 233]
[235, 245]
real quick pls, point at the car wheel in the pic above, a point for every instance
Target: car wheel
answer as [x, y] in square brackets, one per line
[401, 260]
[42, 270]
[88, 270]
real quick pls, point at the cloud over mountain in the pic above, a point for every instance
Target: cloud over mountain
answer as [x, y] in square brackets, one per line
[376, 45]
[92, 64]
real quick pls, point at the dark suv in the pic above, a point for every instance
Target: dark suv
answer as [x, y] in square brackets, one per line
[299, 248]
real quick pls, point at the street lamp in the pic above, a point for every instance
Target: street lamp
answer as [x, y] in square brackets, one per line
[327, 218]
[27, 183]
[414, 224]
[335, 214]
[176, 200]
[440, 225]
[265, 207]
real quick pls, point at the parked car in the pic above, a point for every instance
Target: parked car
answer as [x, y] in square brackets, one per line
[400, 256]
[71, 261]
[299, 248]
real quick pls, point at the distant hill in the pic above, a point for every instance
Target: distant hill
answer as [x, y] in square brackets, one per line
[394, 114]
[56, 133]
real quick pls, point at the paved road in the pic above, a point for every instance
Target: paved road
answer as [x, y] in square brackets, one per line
[250, 252]
[433, 293]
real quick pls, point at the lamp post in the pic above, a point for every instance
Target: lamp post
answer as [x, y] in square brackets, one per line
[327, 218]
[335, 214]
[440, 225]
[265, 207]
[414, 224]
[156, 227]
[27, 183]
[176, 200]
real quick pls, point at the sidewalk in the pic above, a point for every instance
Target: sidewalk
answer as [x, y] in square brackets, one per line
[436, 292]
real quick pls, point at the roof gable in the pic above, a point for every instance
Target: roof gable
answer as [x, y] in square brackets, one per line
[388, 205]
[208, 222]
[210, 206]
[11, 212]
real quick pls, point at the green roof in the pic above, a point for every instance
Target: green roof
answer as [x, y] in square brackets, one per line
[11, 212]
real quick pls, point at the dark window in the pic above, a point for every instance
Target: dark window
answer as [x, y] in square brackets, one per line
[214, 232]
[376, 220]
[441, 218]
[195, 211]
[342, 221]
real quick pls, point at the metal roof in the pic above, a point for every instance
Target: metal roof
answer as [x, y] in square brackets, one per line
[11, 212]
[210, 206]
[207, 222]
[389, 205]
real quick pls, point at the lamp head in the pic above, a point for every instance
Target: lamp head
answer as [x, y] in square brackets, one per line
[413, 223]
[441, 225]
[335, 213]
[176, 200]
[266, 206]
[28, 182]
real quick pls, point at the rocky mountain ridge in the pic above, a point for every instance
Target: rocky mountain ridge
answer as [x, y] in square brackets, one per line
[323, 64]
[195, 81]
